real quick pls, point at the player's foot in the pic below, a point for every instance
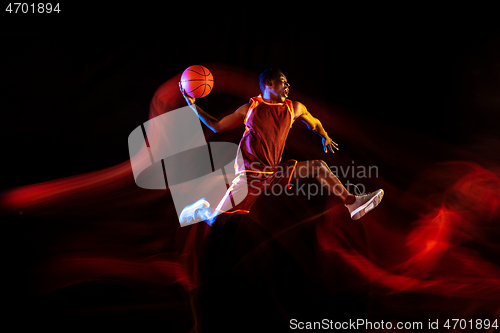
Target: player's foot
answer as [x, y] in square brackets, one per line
[364, 203]
[191, 213]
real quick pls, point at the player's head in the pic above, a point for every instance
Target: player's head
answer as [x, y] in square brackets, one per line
[268, 76]
[275, 83]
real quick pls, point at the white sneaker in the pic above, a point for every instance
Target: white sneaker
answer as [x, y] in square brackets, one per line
[189, 213]
[364, 203]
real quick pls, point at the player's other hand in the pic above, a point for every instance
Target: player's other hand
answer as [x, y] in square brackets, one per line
[329, 144]
[190, 100]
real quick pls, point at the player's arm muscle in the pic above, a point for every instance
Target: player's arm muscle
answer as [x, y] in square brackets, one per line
[312, 123]
[227, 123]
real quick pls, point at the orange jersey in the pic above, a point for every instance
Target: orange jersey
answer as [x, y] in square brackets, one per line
[266, 130]
[258, 163]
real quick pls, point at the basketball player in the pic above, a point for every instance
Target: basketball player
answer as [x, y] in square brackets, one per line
[268, 119]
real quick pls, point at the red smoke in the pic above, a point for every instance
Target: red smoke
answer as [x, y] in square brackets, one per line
[436, 237]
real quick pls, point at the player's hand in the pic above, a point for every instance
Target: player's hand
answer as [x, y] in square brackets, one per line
[190, 100]
[329, 144]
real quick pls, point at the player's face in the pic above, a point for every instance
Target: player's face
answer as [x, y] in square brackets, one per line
[280, 88]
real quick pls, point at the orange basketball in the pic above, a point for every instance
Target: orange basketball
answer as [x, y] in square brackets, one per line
[197, 81]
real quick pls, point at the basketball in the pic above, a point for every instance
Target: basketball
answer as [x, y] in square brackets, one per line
[197, 81]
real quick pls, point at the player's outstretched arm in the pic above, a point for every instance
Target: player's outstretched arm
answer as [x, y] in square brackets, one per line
[227, 123]
[314, 125]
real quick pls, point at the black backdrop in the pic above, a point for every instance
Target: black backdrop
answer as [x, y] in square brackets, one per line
[76, 84]
[95, 69]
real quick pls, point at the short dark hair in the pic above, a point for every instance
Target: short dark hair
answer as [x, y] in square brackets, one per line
[269, 75]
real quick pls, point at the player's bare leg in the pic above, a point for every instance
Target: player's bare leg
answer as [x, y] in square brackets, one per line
[320, 170]
[358, 205]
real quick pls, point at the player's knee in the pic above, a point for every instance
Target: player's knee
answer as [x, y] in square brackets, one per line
[311, 168]
[315, 163]
[319, 166]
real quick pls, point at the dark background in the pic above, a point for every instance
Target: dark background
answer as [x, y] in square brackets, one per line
[71, 77]
[75, 84]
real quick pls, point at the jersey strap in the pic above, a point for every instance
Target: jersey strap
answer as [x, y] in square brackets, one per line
[255, 101]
